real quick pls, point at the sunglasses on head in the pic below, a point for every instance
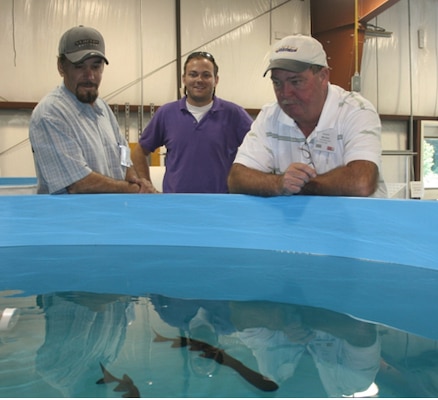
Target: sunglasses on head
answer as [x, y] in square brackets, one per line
[201, 54]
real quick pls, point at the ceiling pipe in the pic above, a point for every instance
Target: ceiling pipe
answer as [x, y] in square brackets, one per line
[140, 112]
[355, 79]
[178, 47]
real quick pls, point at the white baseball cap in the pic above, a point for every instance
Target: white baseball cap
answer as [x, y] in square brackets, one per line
[296, 53]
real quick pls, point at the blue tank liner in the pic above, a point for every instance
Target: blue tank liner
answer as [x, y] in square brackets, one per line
[376, 259]
[13, 181]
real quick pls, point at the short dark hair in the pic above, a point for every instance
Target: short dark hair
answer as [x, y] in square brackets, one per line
[62, 58]
[202, 54]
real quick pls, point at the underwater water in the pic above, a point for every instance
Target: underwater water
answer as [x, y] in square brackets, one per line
[84, 344]
[179, 321]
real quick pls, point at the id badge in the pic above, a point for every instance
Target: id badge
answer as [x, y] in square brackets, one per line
[326, 141]
[125, 156]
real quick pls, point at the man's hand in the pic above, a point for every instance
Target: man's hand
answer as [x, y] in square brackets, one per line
[295, 177]
[144, 185]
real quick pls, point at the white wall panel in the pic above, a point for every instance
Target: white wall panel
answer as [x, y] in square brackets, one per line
[425, 67]
[399, 77]
[239, 34]
[15, 151]
[387, 84]
[140, 38]
[34, 28]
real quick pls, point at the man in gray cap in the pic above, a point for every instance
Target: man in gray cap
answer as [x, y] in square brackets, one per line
[317, 139]
[76, 140]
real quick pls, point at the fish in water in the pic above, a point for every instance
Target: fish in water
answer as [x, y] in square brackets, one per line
[221, 357]
[124, 385]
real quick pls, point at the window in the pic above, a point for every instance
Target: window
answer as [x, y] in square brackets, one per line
[429, 158]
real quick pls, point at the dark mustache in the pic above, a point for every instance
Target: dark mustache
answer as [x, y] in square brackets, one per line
[87, 84]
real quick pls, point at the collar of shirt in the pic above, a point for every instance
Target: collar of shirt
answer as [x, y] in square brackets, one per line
[217, 104]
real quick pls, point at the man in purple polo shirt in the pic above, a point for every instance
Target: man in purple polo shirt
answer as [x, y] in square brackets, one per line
[201, 133]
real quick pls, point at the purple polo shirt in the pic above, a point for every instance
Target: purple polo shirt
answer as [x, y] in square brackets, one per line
[199, 155]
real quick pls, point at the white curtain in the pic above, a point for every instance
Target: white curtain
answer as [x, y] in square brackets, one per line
[140, 37]
[398, 76]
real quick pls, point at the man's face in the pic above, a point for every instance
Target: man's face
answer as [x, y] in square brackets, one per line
[199, 81]
[83, 79]
[300, 95]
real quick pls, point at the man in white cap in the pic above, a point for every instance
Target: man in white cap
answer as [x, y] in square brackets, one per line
[76, 140]
[317, 139]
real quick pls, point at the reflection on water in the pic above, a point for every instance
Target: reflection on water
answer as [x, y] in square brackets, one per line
[107, 345]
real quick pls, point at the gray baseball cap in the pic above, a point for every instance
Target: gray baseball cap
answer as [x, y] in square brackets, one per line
[80, 43]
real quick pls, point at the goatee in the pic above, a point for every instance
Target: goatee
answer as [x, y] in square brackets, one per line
[88, 97]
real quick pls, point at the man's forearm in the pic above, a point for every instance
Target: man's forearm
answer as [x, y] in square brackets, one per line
[358, 178]
[96, 183]
[244, 180]
[140, 161]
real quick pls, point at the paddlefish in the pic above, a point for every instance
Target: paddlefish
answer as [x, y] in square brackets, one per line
[221, 357]
[124, 385]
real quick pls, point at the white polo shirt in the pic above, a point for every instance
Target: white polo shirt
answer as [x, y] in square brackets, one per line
[349, 129]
